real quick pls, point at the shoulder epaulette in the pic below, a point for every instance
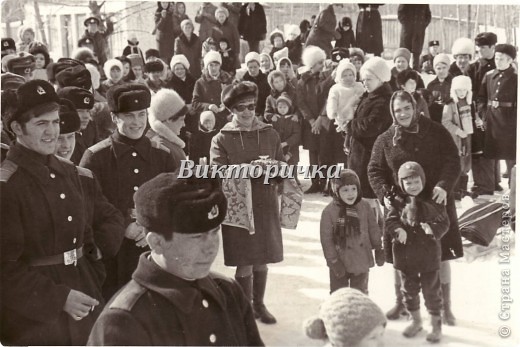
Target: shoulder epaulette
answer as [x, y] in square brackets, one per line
[128, 297]
[63, 160]
[84, 172]
[490, 72]
[4, 146]
[100, 145]
[156, 144]
[7, 169]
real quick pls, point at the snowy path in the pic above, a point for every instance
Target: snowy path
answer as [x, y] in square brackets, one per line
[298, 285]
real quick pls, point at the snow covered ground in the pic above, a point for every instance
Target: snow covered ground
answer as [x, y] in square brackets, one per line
[298, 285]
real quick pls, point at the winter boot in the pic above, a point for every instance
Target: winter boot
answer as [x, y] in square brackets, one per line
[399, 309]
[447, 316]
[260, 311]
[416, 326]
[435, 335]
[246, 283]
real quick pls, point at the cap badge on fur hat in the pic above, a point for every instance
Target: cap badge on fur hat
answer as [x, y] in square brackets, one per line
[213, 213]
[6, 44]
[40, 90]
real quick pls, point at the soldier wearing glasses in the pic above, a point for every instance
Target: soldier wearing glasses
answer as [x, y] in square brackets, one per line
[122, 163]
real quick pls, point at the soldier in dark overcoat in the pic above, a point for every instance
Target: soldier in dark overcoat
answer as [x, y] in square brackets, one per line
[173, 298]
[51, 274]
[122, 163]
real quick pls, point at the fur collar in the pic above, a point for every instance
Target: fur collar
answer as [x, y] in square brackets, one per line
[163, 131]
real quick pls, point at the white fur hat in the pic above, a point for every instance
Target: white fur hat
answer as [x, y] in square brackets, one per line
[377, 66]
[344, 64]
[312, 55]
[441, 58]
[463, 45]
[212, 57]
[179, 59]
[252, 56]
[166, 103]
[110, 63]
[292, 29]
[283, 53]
[461, 82]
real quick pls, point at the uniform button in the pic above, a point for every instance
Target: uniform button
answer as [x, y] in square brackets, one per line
[417, 149]
[135, 188]
[53, 175]
[134, 154]
[205, 303]
[62, 196]
[136, 170]
[212, 338]
[74, 241]
[498, 83]
[497, 91]
[69, 218]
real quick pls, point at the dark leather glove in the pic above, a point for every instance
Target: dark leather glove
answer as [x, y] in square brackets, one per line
[338, 268]
[380, 256]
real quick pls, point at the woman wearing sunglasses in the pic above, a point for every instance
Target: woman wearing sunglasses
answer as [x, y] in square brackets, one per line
[242, 140]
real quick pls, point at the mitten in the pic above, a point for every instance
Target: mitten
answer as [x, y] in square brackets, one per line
[380, 256]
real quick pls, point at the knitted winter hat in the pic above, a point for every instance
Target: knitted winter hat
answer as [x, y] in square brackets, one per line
[441, 58]
[461, 82]
[82, 99]
[207, 115]
[179, 59]
[212, 57]
[344, 65]
[376, 66]
[274, 74]
[292, 29]
[463, 45]
[165, 104]
[276, 33]
[410, 169]
[69, 117]
[109, 64]
[402, 52]
[223, 10]
[345, 318]
[312, 55]
[283, 53]
[347, 177]
[284, 97]
[252, 56]
[167, 204]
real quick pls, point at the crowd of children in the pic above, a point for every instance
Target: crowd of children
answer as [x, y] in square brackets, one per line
[310, 96]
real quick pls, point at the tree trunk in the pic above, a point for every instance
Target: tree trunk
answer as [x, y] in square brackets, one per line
[475, 28]
[40, 22]
[458, 20]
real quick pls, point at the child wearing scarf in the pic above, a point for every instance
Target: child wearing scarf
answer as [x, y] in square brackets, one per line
[457, 118]
[348, 233]
[416, 226]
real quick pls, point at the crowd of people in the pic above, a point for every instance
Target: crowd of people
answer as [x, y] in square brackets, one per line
[103, 243]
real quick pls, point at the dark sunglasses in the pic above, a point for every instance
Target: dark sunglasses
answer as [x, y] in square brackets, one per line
[242, 108]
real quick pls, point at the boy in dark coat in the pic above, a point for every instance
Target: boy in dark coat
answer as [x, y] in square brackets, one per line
[173, 298]
[440, 86]
[289, 130]
[416, 226]
[348, 39]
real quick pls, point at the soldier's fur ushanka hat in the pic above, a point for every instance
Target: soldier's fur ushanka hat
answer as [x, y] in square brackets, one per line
[82, 99]
[128, 97]
[167, 204]
[69, 118]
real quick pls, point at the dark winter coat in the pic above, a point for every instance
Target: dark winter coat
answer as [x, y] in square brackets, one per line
[84, 139]
[235, 146]
[290, 133]
[157, 308]
[192, 49]
[263, 90]
[201, 143]
[43, 206]
[433, 148]
[295, 49]
[206, 18]
[455, 70]
[99, 42]
[121, 168]
[323, 30]
[229, 61]
[311, 102]
[183, 88]
[500, 120]
[270, 102]
[229, 32]
[164, 33]
[171, 141]
[414, 17]
[421, 252]
[441, 96]
[347, 39]
[254, 26]
[371, 118]
[369, 31]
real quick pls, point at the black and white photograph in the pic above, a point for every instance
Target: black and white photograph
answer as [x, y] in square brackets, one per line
[258, 174]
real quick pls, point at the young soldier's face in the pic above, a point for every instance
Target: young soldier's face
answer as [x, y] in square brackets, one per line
[502, 60]
[39, 134]
[412, 185]
[434, 50]
[486, 52]
[348, 194]
[84, 117]
[66, 144]
[131, 124]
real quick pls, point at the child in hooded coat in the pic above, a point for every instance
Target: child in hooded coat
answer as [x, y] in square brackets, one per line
[348, 39]
[279, 85]
[344, 95]
[277, 41]
[113, 69]
[201, 140]
[348, 233]
[416, 226]
[228, 56]
[288, 130]
[285, 66]
[133, 47]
